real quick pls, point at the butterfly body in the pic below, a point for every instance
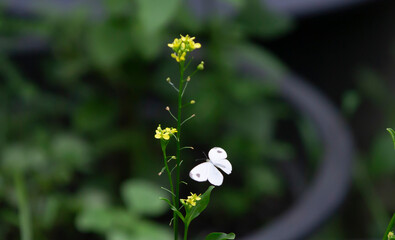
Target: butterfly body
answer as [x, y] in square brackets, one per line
[209, 169]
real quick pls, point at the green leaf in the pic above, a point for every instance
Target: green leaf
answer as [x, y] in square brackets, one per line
[155, 14]
[91, 198]
[70, 151]
[119, 235]
[143, 230]
[173, 208]
[19, 157]
[195, 211]
[142, 197]
[102, 220]
[220, 236]
[392, 132]
[389, 228]
[109, 43]
[148, 231]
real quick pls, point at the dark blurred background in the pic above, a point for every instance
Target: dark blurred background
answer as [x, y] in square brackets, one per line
[83, 89]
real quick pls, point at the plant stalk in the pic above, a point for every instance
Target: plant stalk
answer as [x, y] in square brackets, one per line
[23, 207]
[186, 231]
[168, 174]
[178, 153]
[168, 171]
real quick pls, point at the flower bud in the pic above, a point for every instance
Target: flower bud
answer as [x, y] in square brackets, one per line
[200, 66]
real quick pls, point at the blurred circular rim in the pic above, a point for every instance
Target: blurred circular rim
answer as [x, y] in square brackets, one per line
[333, 177]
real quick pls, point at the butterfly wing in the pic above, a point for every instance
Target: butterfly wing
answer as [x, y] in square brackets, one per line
[201, 172]
[215, 177]
[217, 153]
[223, 164]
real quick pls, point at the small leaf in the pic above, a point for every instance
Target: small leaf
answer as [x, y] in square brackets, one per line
[392, 132]
[142, 197]
[195, 211]
[167, 190]
[220, 236]
[173, 208]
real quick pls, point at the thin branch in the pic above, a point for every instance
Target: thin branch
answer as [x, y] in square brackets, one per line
[192, 116]
[187, 147]
[176, 166]
[171, 114]
[186, 85]
[161, 171]
[171, 84]
[168, 191]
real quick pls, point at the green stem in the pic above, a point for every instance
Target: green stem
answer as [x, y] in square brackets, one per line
[186, 231]
[23, 205]
[163, 145]
[178, 153]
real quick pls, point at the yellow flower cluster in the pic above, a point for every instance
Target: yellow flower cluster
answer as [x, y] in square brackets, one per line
[391, 236]
[191, 200]
[164, 133]
[181, 46]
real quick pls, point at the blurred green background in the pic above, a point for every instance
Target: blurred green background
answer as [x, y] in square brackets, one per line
[83, 89]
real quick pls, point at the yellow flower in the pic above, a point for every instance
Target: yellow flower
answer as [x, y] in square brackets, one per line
[164, 133]
[191, 200]
[181, 46]
[391, 235]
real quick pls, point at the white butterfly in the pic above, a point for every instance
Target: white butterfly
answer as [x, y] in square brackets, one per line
[208, 170]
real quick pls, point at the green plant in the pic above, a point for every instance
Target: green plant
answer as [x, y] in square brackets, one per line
[194, 204]
[130, 221]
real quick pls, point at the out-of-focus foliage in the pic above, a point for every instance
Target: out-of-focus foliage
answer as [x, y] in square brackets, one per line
[80, 117]
[117, 222]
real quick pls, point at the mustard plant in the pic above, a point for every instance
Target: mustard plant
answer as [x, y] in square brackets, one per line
[187, 209]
